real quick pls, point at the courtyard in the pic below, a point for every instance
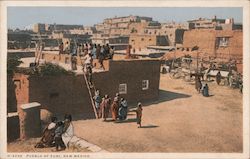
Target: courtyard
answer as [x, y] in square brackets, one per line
[182, 120]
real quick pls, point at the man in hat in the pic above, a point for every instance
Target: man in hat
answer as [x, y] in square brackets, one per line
[139, 114]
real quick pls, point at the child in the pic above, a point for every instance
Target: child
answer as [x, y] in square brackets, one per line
[139, 114]
[58, 136]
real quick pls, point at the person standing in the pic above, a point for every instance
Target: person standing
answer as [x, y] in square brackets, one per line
[98, 51]
[198, 84]
[101, 110]
[218, 78]
[94, 52]
[111, 52]
[87, 61]
[106, 107]
[115, 107]
[205, 92]
[61, 49]
[97, 98]
[73, 62]
[123, 110]
[139, 114]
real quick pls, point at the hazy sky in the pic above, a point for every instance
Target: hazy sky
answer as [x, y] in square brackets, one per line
[20, 17]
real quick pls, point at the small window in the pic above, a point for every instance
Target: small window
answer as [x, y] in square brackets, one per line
[223, 42]
[123, 89]
[142, 39]
[149, 39]
[145, 84]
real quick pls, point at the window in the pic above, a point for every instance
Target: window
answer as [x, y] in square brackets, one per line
[142, 39]
[223, 41]
[145, 84]
[123, 88]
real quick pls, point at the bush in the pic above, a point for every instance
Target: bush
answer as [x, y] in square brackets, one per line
[52, 70]
[12, 64]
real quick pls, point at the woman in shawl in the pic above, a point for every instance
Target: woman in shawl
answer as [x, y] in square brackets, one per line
[106, 107]
[115, 107]
[123, 110]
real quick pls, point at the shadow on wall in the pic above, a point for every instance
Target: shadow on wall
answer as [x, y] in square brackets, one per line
[165, 96]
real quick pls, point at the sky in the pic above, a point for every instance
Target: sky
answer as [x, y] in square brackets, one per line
[21, 17]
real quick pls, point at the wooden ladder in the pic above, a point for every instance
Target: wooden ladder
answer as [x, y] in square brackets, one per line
[90, 95]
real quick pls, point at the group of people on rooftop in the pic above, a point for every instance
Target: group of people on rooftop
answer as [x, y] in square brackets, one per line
[96, 51]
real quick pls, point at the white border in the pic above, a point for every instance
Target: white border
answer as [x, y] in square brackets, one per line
[194, 3]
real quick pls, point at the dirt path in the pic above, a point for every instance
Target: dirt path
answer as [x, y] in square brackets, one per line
[181, 121]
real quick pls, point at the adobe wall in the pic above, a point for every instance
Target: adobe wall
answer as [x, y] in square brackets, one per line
[21, 89]
[11, 95]
[235, 46]
[141, 42]
[206, 40]
[131, 72]
[13, 128]
[61, 94]
[20, 54]
[66, 59]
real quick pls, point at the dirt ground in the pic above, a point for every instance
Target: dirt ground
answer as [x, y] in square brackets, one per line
[180, 121]
[28, 146]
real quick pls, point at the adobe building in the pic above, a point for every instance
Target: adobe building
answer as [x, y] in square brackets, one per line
[214, 23]
[220, 45]
[139, 42]
[136, 80]
[224, 44]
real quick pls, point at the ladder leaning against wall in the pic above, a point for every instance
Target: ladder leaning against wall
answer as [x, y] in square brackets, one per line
[90, 94]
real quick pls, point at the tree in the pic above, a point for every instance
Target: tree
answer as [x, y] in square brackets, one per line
[12, 64]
